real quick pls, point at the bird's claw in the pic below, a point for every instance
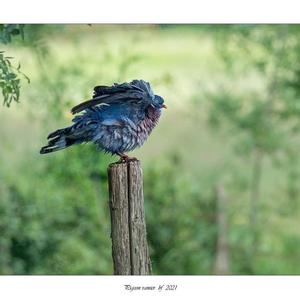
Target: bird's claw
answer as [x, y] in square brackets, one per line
[126, 159]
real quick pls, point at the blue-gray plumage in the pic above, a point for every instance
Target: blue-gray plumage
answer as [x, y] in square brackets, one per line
[117, 119]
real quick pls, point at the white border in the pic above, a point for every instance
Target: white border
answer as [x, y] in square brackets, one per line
[150, 11]
[96, 287]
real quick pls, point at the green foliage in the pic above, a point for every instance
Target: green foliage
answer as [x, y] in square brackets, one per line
[8, 31]
[10, 75]
[262, 121]
[56, 227]
[9, 80]
[180, 221]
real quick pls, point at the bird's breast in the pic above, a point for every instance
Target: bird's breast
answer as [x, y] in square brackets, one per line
[145, 127]
[128, 136]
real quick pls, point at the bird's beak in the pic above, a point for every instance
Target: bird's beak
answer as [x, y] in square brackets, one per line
[164, 106]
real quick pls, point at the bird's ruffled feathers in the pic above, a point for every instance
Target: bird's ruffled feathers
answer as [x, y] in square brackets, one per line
[118, 118]
[136, 90]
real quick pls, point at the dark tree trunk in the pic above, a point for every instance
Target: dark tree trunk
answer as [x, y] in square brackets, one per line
[255, 197]
[221, 265]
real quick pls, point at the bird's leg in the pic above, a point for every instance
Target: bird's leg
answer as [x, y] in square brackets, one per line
[125, 158]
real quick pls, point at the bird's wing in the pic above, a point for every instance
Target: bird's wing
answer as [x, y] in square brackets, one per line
[135, 91]
[116, 88]
[108, 99]
[122, 121]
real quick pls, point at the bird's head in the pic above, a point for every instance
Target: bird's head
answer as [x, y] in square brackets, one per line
[158, 102]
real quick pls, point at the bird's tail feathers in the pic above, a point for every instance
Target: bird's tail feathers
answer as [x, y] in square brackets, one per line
[58, 141]
[59, 132]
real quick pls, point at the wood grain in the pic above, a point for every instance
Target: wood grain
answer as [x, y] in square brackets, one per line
[128, 226]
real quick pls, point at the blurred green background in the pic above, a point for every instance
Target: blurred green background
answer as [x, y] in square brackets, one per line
[221, 170]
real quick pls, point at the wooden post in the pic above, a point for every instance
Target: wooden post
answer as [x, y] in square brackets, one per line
[128, 226]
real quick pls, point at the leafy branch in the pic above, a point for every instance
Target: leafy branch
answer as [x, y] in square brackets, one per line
[10, 75]
[10, 80]
[8, 31]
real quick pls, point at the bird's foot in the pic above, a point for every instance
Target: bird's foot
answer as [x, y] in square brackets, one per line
[124, 158]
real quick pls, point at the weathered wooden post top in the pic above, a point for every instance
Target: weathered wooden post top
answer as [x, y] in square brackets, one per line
[128, 226]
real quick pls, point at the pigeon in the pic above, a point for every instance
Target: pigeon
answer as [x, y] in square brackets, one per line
[118, 119]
